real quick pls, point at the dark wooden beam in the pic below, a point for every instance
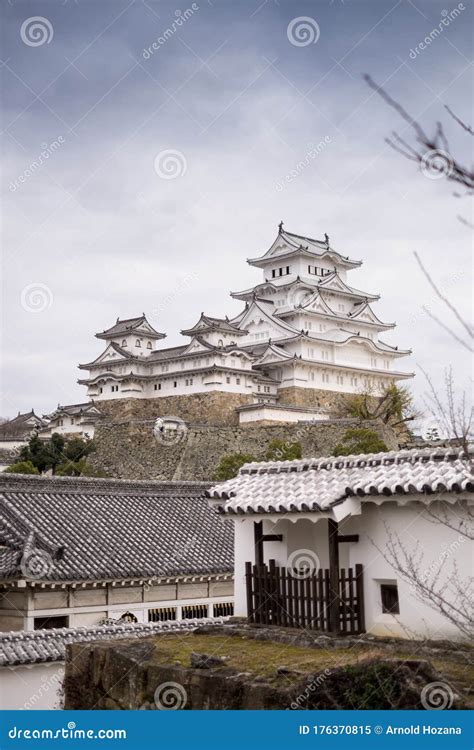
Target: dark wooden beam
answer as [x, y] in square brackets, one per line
[347, 538]
[334, 603]
[258, 541]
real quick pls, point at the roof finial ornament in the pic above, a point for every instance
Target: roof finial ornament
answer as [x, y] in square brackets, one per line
[326, 239]
[280, 227]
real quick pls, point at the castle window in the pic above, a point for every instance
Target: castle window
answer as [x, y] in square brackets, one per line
[124, 342]
[138, 342]
[46, 623]
[101, 390]
[273, 273]
[237, 380]
[148, 346]
[220, 343]
[340, 379]
[157, 386]
[354, 381]
[227, 380]
[389, 596]
[114, 388]
[190, 381]
[288, 270]
[325, 377]
[175, 384]
[258, 388]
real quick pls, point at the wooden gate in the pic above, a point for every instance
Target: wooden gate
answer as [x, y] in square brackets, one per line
[289, 598]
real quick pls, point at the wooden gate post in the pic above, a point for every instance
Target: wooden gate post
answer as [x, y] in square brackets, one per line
[249, 586]
[334, 600]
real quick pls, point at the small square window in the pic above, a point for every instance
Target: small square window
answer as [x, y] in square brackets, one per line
[389, 596]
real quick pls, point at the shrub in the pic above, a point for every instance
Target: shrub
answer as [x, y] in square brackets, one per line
[360, 440]
[22, 467]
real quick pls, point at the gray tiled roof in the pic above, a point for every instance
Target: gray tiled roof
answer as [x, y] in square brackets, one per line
[32, 647]
[318, 484]
[20, 427]
[96, 529]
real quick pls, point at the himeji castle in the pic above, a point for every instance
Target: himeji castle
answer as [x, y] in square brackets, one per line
[303, 338]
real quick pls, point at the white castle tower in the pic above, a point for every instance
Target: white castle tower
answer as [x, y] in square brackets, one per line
[303, 338]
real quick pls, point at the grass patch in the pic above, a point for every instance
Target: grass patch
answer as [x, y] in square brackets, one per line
[262, 658]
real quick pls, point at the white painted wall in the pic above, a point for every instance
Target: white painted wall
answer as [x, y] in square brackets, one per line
[32, 687]
[266, 412]
[442, 549]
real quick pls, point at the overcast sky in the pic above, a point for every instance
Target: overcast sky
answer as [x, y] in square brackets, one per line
[108, 226]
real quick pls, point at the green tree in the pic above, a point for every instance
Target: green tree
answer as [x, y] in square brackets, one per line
[358, 440]
[282, 450]
[392, 406]
[78, 468]
[229, 465]
[77, 448]
[57, 452]
[22, 467]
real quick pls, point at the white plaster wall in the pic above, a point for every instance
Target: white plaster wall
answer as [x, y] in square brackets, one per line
[33, 687]
[442, 549]
[279, 415]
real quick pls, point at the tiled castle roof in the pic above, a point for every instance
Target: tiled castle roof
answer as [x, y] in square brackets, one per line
[33, 647]
[81, 529]
[319, 484]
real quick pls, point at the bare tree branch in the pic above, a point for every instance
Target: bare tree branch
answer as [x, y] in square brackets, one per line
[460, 122]
[434, 154]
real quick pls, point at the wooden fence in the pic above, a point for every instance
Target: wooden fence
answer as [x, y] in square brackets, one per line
[286, 597]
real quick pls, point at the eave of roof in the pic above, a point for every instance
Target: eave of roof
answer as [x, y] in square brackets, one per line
[130, 325]
[319, 485]
[298, 249]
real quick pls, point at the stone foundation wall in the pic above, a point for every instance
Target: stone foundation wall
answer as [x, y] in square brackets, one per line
[215, 407]
[128, 449]
[131, 675]
[311, 397]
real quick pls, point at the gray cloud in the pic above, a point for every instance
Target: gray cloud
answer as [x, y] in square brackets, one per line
[108, 237]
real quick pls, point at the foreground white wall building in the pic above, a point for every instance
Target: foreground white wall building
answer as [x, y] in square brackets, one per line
[344, 512]
[303, 329]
